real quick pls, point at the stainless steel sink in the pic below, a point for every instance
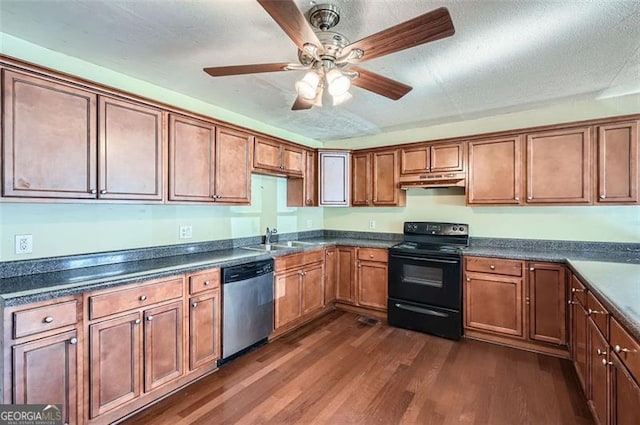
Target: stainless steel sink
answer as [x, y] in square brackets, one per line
[296, 244]
[264, 247]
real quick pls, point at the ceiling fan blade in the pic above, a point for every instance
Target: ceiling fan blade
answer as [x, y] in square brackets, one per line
[431, 26]
[221, 71]
[292, 21]
[302, 103]
[379, 84]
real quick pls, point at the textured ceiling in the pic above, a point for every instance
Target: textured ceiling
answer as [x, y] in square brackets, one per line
[505, 55]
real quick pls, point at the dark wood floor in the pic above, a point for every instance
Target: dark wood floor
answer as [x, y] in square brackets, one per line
[339, 370]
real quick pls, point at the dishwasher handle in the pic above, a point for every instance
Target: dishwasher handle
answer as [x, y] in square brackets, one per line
[246, 271]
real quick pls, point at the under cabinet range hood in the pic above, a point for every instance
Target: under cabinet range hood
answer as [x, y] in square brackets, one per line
[434, 180]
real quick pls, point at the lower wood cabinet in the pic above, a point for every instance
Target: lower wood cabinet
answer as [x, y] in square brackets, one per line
[163, 342]
[504, 304]
[625, 394]
[578, 330]
[367, 287]
[204, 329]
[597, 360]
[345, 265]
[330, 274]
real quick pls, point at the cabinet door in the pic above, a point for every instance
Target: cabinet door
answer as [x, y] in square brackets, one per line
[287, 297]
[625, 395]
[447, 157]
[49, 138]
[292, 160]
[618, 163]
[494, 303]
[312, 288]
[191, 144]
[330, 275]
[346, 277]
[130, 151]
[232, 182]
[334, 178]
[361, 179]
[495, 170]
[115, 362]
[163, 345]
[385, 178]
[267, 155]
[579, 341]
[597, 359]
[414, 160]
[558, 166]
[204, 329]
[547, 303]
[45, 372]
[372, 284]
[310, 179]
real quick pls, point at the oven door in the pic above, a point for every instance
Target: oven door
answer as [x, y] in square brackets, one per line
[425, 279]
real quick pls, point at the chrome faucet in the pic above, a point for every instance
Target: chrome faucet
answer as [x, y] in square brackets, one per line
[267, 236]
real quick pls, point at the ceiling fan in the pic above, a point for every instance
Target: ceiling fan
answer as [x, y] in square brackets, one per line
[329, 58]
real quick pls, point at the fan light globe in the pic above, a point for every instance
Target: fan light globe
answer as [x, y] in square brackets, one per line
[308, 86]
[338, 83]
[339, 100]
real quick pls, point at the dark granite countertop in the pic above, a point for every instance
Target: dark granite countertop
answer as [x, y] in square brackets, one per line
[30, 288]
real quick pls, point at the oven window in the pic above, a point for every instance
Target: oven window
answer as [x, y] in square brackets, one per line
[422, 275]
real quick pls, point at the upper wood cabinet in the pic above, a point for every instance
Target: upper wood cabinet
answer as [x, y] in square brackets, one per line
[495, 171]
[558, 166]
[55, 147]
[617, 171]
[416, 160]
[375, 179]
[302, 192]
[334, 178]
[131, 151]
[208, 163]
[49, 138]
[274, 157]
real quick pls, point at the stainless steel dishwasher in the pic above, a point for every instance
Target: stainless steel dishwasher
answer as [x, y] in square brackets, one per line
[247, 307]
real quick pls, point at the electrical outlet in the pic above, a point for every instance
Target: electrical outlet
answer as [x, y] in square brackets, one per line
[309, 224]
[24, 244]
[186, 232]
[372, 224]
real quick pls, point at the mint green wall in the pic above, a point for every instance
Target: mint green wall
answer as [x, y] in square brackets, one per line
[64, 229]
[605, 224]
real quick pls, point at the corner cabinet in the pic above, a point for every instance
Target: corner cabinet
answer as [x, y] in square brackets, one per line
[302, 192]
[208, 163]
[375, 179]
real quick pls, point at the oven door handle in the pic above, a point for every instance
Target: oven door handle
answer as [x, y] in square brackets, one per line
[434, 260]
[420, 310]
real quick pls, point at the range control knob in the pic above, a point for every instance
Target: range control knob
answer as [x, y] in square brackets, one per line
[454, 228]
[461, 228]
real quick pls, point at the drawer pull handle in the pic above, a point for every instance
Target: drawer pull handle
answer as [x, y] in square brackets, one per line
[619, 349]
[194, 304]
[601, 352]
[143, 297]
[93, 191]
[572, 302]
[605, 362]
[206, 283]
[492, 267]
[370, 255]
[136, 322]
[577, 290]
[48, 319]
[517, 198]
[73, 341]
[590, 312]
[532, 269]
[149, 318]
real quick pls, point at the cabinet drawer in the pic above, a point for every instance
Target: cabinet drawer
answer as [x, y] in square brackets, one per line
[372, 254]
[599, 314]
[139, 296]
[298, 260]
[494, 265]
[628, 349]
[40, 319]
[578, 290]
[205, 281]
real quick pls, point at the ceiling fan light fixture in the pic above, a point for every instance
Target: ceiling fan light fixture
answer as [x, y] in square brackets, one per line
[339, 100]
[337, 82]
[308, 86]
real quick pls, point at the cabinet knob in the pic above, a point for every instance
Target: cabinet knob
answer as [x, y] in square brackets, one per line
[601, 352]
[590, 312]
[73, 341]
[619, 349]
[527, 300]
[532, 269]
[194, 304]
[103, 191]
[206, 283]
[577, 290]
[143, 298]
[48, 319]
[517, 198]
[603, 196]
[370, 255]
[572, 302]
[468, 279]
[149, 318]
[605, 362]
[93, 191]
[492, 267]
[529, 197]
[136, 322]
